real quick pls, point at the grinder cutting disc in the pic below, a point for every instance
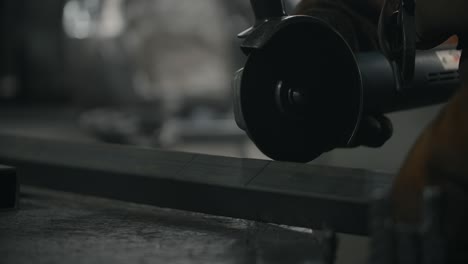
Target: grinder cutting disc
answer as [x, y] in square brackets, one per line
[301, 94]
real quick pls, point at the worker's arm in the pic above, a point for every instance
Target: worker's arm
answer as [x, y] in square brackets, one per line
[439, 157]
[436, 20]
[356, 20]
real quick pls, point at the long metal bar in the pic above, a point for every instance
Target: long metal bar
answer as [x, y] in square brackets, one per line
[283, 193]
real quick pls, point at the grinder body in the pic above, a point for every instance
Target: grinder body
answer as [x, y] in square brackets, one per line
[303, 91]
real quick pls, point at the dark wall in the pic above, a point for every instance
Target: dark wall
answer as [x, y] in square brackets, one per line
[32, 49]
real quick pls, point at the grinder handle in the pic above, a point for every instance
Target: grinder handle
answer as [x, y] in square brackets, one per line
[435, 80]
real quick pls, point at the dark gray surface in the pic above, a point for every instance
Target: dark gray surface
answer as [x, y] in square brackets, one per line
[266, 191]
[342, 183]
[42, 121]
[55, 227]
[9, 188]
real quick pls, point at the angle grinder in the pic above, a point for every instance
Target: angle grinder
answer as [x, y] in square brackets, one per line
[303, 91]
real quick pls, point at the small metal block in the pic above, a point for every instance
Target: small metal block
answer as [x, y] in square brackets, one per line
[9, 188]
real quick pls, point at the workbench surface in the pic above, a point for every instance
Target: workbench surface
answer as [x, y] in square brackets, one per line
[56, 227]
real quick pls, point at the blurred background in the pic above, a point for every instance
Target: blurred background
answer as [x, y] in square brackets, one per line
[152, 73]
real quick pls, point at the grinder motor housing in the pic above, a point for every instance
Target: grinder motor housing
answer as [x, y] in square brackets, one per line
[303, 91]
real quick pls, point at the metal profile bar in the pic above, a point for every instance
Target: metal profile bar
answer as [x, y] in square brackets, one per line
[283, 193]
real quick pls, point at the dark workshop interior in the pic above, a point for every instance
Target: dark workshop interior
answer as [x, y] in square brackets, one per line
[128, 135]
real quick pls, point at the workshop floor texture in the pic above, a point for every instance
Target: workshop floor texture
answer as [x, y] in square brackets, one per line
[55, 227]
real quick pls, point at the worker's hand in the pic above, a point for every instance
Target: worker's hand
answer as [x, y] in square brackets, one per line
[436, 20]
[439, 157]
[356, 21]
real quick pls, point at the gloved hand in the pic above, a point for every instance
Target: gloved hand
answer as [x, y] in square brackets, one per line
[436, 20]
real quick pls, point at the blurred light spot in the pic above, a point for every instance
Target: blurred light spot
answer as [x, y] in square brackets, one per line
[76, 20]
[112, 19]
